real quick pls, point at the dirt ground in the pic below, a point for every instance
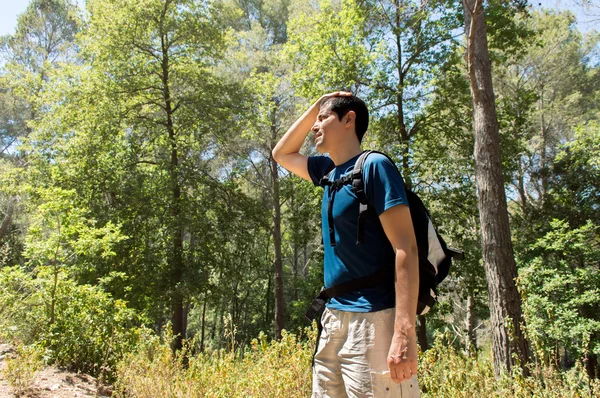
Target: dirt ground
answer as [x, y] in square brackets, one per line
[52, 382]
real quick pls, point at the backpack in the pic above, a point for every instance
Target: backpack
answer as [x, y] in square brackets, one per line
[435, 257]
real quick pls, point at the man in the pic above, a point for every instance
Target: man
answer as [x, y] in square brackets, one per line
[368, 345]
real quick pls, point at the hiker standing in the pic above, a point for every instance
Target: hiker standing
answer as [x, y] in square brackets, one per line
[367, 346]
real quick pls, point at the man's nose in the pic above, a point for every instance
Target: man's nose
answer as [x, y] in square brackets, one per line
[315, 127]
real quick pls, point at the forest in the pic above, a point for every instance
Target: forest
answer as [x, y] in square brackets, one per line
[149, 238]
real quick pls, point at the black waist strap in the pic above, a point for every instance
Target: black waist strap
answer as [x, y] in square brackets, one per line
[380, 277]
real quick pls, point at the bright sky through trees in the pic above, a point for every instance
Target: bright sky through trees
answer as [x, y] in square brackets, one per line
[12, 8]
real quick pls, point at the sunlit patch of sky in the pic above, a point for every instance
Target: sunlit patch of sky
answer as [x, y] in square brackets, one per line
[588, 18]
[10, 9]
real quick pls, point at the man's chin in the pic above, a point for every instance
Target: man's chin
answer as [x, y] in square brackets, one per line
[320, 148]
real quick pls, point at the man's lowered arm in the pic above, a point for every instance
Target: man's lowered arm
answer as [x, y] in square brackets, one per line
[402, 357]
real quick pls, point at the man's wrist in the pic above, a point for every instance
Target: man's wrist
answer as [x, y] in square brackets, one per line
[404, 327]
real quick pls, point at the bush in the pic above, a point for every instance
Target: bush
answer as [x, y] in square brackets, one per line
[20, 370]
[445, 372]
[273, 369]
[90, 331]
[283, 369]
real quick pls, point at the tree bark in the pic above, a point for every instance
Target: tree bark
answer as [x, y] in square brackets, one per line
[203, 327]
[7, 217]
[498, 256]
[176, 258]
[278, 263]
[471, 343]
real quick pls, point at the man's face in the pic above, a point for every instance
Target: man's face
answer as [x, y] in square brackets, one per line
[328, 129]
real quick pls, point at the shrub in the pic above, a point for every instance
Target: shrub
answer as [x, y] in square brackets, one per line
[446, 372]
[274, 369]
[90, 331]
[20, 370]
[283, 369]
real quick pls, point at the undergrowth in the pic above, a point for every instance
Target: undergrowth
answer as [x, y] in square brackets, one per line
[274, 369]
[283, 369]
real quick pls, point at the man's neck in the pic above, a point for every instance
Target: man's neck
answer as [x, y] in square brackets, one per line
[342, 155]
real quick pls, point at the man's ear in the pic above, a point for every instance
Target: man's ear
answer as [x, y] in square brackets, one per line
[350, 118]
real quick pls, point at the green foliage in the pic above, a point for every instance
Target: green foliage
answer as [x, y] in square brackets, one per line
[329, 44]
[444, 372]
[148, 98]
[274, 369]
[561, 295]
[575, 183]
[90, 332]
[283, 369]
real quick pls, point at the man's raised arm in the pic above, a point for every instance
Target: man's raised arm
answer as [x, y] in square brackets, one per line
[287, 150]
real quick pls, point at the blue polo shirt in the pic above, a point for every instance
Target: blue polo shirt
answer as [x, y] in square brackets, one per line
[347, 260]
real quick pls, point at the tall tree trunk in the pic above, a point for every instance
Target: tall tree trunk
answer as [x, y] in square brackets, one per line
[278, 263]
[498, 257]
[176, 257]
[268, 299]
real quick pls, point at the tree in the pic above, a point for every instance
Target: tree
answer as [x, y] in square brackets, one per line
[44, 39]
[137, 119]
[498, 256]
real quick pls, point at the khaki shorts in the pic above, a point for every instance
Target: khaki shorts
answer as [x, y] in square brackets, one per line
[351, 359]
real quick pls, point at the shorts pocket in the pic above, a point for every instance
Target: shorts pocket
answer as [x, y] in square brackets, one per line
[383, 386]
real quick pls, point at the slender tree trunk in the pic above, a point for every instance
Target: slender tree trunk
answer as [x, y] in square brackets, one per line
[471, 346]
[203, 325]
[543, 166]
[591, 365]
[7, 217]
[268, 299]
[176, 257]
[498, 257]
[295, 282]
[521, 189]
[402, 130]
[278, 263]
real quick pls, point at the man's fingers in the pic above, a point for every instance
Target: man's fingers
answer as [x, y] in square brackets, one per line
[399, 374]
[336, 94]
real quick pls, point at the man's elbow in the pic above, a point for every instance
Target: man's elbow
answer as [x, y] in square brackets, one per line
[276, 155]
[407, 251]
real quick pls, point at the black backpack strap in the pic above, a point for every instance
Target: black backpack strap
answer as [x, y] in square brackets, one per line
[358, 186]
[385, 274]
[324, 182]
[334, 186]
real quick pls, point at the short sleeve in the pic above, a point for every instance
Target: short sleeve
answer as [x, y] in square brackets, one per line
[383, 183]
[318, 167]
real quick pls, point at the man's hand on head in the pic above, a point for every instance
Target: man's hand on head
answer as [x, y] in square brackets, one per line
[332, 95]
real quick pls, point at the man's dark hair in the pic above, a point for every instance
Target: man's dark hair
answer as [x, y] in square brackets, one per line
[342, 105]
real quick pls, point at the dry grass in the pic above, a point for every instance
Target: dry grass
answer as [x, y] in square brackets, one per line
[282, 369]
[20, 370]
